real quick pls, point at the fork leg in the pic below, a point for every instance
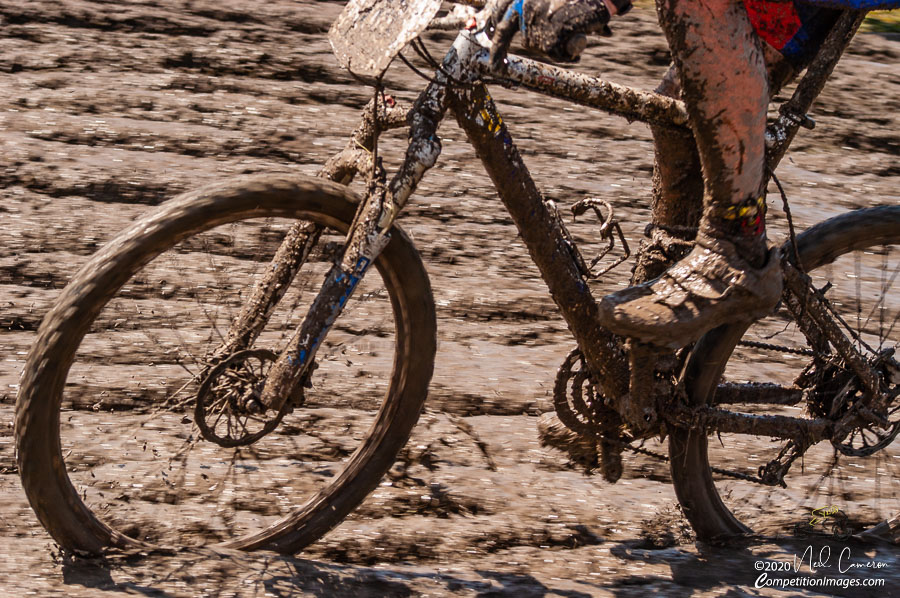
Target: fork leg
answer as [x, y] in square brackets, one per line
[368, 235]
[296, 358]
[269, 290]
[303, 236]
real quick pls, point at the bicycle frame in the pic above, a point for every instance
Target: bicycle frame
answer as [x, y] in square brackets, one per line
[456, 86]
[609, 393]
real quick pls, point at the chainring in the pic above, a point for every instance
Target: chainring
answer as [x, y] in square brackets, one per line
[577, 402]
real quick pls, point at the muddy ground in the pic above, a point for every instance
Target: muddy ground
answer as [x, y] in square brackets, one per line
[110, 108]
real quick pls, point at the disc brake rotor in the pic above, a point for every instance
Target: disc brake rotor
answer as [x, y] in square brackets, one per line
[870, 438]
[228, 411]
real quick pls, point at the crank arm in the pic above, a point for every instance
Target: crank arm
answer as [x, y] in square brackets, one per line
[638, 407]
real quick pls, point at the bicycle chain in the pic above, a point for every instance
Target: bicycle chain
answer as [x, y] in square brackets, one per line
[570, 420]
[744, 343]
[766, 347]
[781, 348]
[731, 474]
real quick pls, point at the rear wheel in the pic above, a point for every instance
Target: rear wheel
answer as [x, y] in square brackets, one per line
[113, 448]
[855, 260]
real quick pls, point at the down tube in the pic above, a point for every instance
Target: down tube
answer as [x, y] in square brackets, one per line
[478, 117]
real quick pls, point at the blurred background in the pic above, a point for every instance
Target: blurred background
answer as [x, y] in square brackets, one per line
[109, 108]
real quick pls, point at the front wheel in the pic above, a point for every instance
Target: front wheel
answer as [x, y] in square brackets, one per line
[109, 449]
[854, 259]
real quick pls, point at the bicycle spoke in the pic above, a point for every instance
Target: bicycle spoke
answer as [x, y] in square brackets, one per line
[864, 484]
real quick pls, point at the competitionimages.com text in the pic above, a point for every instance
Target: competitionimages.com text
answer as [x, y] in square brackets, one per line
[764, 581]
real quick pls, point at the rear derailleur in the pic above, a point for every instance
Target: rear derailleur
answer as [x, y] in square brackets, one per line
[862, 424]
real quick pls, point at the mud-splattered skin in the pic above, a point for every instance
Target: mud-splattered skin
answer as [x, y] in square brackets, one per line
[722, 70]
[724, 82]
[677, 177]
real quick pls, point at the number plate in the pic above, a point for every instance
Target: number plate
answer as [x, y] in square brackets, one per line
[368, 34]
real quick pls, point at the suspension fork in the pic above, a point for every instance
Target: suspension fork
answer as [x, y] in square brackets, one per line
[535, 218]
[303, 236]
[368, 235]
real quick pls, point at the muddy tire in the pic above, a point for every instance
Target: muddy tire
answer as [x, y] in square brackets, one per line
[720, 507]
[49, 478]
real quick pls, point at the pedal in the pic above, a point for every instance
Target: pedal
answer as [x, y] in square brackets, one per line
[580, 448]
[584, 426]
[611, 460]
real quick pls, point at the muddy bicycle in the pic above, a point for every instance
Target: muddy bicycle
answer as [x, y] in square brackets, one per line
[268, 425]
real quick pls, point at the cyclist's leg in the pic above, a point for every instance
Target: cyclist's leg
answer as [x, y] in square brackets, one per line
[728, 275]
[677, 199]
[725, 88]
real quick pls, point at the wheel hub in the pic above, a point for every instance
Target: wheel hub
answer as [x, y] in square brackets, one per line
[228, 410]
[875, 428]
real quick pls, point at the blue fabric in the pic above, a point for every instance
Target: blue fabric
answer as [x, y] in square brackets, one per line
[818, 17]
[517, 8]
[854, 4]
[817, 22]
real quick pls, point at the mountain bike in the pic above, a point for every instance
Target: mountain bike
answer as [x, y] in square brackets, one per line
[266, 429]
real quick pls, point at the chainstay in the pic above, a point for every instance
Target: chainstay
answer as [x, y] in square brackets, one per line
[561, 400]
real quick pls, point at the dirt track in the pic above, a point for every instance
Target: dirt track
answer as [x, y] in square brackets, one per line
[108, 108]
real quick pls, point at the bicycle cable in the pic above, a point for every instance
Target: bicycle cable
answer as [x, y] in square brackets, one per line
[790, 219]
[422, 50]
[419, 48]
[796, 252]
